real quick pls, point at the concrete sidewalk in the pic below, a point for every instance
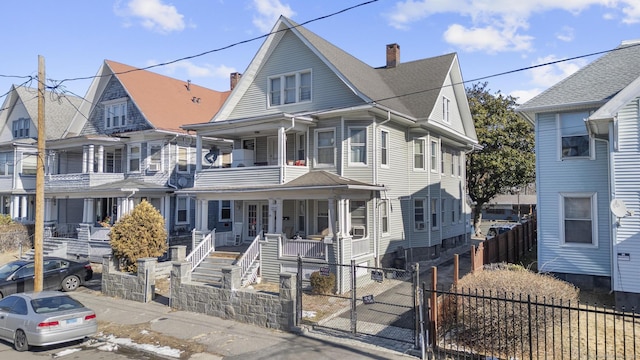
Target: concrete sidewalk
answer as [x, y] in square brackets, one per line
[224, 339]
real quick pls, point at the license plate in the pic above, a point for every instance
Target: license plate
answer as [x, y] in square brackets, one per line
[73, 321]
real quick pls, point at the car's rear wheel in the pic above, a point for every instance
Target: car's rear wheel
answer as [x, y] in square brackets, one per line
[20, 342]
[70, 283]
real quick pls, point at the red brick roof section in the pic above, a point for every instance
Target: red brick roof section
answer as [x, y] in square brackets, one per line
[165, 102]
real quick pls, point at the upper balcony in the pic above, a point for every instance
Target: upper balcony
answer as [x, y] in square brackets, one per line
[250, 175]
[80, 181]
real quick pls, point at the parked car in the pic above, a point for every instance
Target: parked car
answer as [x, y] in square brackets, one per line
[44, 318]
[498, 229]
[58, 274]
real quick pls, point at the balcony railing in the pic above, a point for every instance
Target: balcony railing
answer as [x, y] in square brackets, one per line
[360, 247]
[310, 249]
[250, 175]
[80, 181]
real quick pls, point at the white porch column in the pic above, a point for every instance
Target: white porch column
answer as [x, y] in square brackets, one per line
[271, 225]
[198, 153]
[91, 157]
[166, 211]
[120, 210]
[47, 209]
[23, 206]
[100, 158]
[15, 205]
[130, 204]
[282, 147]
[341, 217]
[84, 158]
[202, 215]
[88, 211]
[332, 216]
[278, 218]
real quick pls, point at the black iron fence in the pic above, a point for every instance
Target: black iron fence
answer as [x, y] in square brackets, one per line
[472, 325]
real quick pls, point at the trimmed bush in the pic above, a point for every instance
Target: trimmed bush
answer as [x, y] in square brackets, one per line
[495, 315]
[139, 234]
[321, 284]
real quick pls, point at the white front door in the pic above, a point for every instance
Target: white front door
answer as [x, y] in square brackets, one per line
[257, 218]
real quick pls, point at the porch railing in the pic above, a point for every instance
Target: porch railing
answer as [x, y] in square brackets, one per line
[360, 247]
[310, 249]
[248, 259]
[202, 250]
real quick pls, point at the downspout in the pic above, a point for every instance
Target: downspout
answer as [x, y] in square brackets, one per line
[282, 161]
[376, 236]
[171, 172]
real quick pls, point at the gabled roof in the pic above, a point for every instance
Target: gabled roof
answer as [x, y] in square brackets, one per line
[165, 102]
[592, 86]
[58, 110]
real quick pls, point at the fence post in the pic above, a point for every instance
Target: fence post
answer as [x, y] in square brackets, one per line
[299, 293]
[456, 271]
[530, 330]
[473, 259]
[434, 306]
[415, 277]
[354, 319]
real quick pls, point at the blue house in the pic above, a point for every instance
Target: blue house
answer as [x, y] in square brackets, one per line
[588, 151]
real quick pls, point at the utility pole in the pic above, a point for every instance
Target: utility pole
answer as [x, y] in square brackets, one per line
[39, 226]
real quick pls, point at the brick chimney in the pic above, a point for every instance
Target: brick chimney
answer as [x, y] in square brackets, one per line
[393, 55]
[235, 77]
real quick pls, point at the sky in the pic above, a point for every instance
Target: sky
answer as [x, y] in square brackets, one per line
[217, 37]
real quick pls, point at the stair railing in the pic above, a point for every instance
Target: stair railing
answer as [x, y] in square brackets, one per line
[249, 257]
[202, 250]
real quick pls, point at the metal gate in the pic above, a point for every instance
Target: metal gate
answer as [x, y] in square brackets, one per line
[379, 302]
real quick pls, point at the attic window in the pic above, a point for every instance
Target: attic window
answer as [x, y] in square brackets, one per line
[115, 114]
[445, 109]
[21, 128]
[290, 88]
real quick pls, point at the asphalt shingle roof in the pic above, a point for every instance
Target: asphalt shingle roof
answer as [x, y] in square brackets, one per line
[58, 110]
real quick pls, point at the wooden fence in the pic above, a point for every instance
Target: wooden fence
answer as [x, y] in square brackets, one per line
[509, 247]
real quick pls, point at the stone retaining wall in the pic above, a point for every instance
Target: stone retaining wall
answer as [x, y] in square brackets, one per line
[275, 311]
[137, 287]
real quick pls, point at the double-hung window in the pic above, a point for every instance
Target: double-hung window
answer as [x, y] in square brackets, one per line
[384, 215]
[154, 157]
[322, 215]
[418, 154]
[134, 157]
[29, 164]
[358, 146]
[6, 163]
[445, 109]
[434, 213]
[182, 161]
[442, 209]
[384, 148]
[21, 128]
[434, 155]
[574, 140]
[443, 154]
[225, 210]
[358, 211]
[182, 209]
[579, 219]
[290, 88]
[325, 148]
[418, 214]
[115, 114]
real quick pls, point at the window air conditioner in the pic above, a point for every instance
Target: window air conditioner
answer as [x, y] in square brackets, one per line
[419, 225]
[358, 232]
[154, 167]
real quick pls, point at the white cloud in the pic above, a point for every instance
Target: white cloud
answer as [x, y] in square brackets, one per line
[153, 15]
[192, 71]
[565, 34]
[504, 21]
[523, 96]
[268, 13]
[549, 75]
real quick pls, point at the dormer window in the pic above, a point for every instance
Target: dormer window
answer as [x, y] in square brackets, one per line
[115, 114]
[290, 88]
[21, 128]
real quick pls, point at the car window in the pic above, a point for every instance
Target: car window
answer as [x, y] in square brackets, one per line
[8, 269]
[25, 271]
[7, 303]
[64, 264]
[50, 265]
[55, 303]
[19, 307]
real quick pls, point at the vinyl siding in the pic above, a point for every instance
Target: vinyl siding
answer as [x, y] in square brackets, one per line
[569, 176]
[353, 171]
[291, 55]
[626, 183]
[455, 119]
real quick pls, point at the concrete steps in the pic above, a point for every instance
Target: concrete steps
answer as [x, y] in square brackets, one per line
[50, 247]
[210, 269]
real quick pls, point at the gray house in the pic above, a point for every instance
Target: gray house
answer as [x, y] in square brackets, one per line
[336, 160]
[588, 179]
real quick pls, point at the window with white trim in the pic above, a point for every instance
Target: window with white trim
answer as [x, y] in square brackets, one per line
[225, 210]
[358, 146]
[443, 203]
[6, 163]
[434, 155]
[454, 162]
[445, 109]
[434, 213]
[418, 214]
[384, 215]
[443, 153]
[574, 139]
[418, 154]
[290, 88]
[302, 210]
[301, 139]
[182, 159]
[154, 156]
[133, 154]
[358, 213]
[115, 114]
[29, 164]
[460, 158]
[322, 215]
[579, 219]
[21, 128]
[384, 148]
[325, 147]
[182, 209]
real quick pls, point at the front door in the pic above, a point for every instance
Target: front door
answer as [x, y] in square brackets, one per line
[257, 219]
[272, 150]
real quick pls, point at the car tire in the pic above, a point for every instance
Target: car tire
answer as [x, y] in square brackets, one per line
[70, 283]
[20, 342]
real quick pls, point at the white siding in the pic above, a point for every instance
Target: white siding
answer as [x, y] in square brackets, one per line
[555, 177]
